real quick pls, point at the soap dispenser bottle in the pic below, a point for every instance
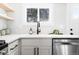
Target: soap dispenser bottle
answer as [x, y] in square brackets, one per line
[30, 31]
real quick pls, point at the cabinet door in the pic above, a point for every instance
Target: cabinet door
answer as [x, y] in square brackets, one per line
[45, 46]
[28, 46]
[28, 50]
[45, 51]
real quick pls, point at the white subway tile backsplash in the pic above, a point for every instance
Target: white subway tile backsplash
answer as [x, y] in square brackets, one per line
[3, 24]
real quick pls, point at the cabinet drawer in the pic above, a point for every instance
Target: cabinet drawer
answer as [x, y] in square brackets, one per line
[12, 46]
[30, 42]
[14, 52]
[45, 42]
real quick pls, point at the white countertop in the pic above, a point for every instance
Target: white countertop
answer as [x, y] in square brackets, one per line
[12, 37]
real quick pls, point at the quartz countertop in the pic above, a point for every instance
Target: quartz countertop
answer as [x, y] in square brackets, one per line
[13, 37]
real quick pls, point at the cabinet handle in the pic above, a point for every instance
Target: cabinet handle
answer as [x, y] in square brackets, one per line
[14, 47]
[34, 51]
[37, 51]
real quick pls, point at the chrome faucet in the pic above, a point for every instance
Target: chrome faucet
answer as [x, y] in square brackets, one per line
[38, 28]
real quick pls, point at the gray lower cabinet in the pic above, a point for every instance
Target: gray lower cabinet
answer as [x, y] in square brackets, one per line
[36, 46]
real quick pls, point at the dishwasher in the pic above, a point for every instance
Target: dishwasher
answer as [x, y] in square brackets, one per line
[69, 46]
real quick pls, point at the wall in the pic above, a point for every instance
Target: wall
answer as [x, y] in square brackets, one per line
[3, 24]
[20, 25]
[56, 20]
[73, 18]
[16, 26]
[45, 26]
[60, 17]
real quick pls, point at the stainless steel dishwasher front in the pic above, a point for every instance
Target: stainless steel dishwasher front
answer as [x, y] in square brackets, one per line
[66, 46]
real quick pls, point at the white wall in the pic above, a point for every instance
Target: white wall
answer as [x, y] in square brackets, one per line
[3, 24]
[20, 25]
[73, 18]
[57, 18]
[45, 26]
[17, 26]
[60, 17]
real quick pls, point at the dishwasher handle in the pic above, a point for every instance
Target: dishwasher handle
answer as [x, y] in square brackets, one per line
[66, 43]
[70, 43]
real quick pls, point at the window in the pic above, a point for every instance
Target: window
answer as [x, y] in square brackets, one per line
[44, 14]
[33, 14]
